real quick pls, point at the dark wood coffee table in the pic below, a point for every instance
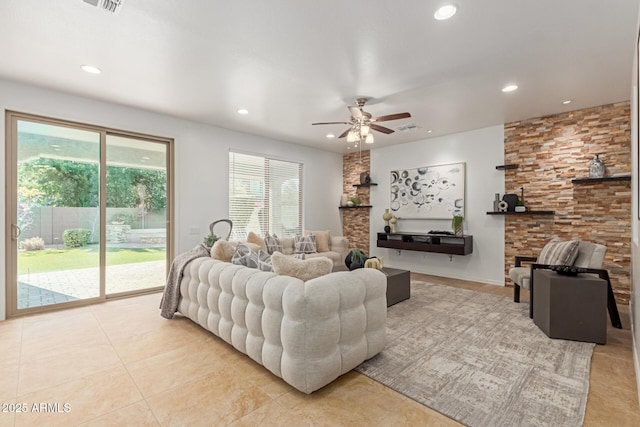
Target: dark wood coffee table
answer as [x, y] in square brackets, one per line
[398, 285]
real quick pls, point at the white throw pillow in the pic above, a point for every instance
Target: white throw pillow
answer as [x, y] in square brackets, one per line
[302, 269]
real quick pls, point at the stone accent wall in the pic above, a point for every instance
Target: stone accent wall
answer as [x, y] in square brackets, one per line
[355, 222]
[551, 151]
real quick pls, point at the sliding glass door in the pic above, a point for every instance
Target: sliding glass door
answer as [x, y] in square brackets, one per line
[88, 213]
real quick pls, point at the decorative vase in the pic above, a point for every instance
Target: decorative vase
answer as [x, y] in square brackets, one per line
[393, 221]
[496, 203]
[343, 200]
[387, 229]
[350, 204]
[365, 178]
[458, 228]
[520, 208]
[596, 167]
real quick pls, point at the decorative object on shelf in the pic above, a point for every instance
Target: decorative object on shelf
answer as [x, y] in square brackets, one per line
[350, 204]
[365, 178]
[343, 200]
[520, 205]
[567, 270]
[355, 259]
[496, 203]
[457, 225]
[502, 206]
[355, 201]
[596, 167]
[386, 216]
[430, 192]
[229, 224]
[393, 222]
[373, 262]
[512, 201]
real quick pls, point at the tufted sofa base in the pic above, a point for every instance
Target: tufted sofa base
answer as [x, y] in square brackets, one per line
[307, 333]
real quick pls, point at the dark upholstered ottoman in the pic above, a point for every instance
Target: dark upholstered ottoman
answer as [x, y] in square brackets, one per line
[398, 285]
[571, 308]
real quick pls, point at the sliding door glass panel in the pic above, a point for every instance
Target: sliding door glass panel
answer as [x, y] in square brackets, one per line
[136, 214]
[58, 214]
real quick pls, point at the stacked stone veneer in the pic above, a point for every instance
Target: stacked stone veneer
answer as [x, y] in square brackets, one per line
[550, 152]
[355, 222]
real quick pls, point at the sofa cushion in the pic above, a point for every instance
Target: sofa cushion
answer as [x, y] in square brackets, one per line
[304, 244]
[250, 258]
[333, 256]
[302, 269]
[558, 252]
[323, 240]
[223, 250]
[273, 243]
[257, 240]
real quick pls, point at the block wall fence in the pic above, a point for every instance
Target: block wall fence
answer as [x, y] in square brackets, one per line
[549, 152]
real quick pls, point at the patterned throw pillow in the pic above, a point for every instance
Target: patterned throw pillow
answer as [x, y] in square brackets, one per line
[273, 243]
[323, 239]
[558, 252]
[252, 259]
[304, 244]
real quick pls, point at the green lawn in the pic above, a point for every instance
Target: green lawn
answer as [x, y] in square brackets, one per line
[71, 259]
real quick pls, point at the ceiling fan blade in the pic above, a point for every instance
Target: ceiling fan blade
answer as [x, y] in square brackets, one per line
[356, 113]
[381, 128]
[391, 117]
[345, 133]
[331, 123]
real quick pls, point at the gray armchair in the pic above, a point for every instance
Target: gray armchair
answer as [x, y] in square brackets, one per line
[582, 254]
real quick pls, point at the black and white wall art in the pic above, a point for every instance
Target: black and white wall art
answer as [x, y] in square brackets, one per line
[430, 192]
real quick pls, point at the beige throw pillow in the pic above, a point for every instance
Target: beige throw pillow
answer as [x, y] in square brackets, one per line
[302, 269]
[558, 252]
[322, 239]
[223, 250]
[256, 240]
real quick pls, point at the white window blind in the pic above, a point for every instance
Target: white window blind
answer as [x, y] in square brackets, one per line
[265, 196]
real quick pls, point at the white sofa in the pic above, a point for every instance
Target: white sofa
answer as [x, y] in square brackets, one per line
[307, 333]
[338, 245]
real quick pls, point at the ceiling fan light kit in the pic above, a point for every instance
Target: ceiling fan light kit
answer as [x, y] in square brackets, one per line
[362, 123]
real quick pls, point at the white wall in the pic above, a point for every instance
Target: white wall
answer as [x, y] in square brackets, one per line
[201, 162]
[482, 150]
[634, 303]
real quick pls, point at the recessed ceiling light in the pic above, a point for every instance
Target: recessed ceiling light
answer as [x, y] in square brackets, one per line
[54, 146]
[242, 111]
[567, 101]
[445, 12]
[429, 131]
[91, 69]
[509, 88]
[330, 135]
[146, 158]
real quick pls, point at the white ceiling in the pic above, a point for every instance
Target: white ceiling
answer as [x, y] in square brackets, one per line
[292, 63]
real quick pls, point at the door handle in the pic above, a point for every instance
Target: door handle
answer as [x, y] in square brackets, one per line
[17, 231]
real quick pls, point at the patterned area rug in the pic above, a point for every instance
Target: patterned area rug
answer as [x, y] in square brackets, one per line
[479, 359]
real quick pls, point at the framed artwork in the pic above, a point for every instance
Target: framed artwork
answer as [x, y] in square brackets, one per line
[429, 192]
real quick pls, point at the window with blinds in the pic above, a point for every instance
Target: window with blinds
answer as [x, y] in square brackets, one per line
[265, 196]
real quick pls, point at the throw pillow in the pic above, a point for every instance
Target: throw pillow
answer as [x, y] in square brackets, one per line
[558, 252]
[244, 256]
[223, 250]
[304, 244]
[323, 239]
[302, 269]
[257, 240]
[273, 243]
[264, 261]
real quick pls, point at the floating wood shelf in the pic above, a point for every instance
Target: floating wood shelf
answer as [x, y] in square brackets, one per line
[505, 167]
[523, 213]
[355, 207]
[371, 184]
[439, 243]
[607, 178]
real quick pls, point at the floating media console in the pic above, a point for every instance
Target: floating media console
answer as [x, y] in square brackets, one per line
[424, 242]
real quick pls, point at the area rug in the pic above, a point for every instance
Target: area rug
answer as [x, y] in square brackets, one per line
[479, 359]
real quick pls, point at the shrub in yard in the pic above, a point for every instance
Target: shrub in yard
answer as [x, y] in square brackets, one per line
[75, 237]
[33, 244]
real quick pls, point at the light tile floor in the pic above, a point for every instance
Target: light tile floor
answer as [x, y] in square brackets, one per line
[120, 364]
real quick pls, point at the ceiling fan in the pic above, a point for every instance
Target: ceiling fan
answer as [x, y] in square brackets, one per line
[362, 122]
